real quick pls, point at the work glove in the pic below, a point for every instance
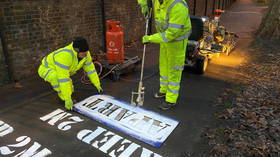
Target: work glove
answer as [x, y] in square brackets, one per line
[69, 104]
[146, 39]
[99, 89]
[145, 10]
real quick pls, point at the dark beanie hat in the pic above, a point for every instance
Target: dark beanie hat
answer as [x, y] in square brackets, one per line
[81, 44]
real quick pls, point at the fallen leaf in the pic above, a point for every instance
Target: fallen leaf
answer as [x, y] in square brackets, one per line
[250, 116]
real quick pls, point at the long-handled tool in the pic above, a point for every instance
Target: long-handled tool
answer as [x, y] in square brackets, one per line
[141, 89]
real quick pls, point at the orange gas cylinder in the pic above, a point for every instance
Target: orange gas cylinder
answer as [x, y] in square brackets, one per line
[218, 12]
[114, 42]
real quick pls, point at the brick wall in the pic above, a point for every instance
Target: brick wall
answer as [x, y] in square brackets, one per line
[34, 28]
[3, 68]
[128, 12]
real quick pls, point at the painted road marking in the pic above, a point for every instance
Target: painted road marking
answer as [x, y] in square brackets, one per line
[125, 148]
[5, 129]
[59, 115]
[22, 142]
[101, 139]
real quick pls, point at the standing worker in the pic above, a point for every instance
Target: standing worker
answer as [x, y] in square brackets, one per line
[58, 66]
[173, 27]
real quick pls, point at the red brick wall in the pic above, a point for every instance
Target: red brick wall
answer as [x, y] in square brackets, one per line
[34, 28]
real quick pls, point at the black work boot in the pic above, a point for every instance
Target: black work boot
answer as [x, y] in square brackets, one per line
[167, 105]
[159, 95]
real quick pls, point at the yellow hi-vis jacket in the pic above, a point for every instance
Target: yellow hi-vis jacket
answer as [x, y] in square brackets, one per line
[65, 62]
[172, 20]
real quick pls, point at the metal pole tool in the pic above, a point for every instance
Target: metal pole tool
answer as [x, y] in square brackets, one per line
[141, 89]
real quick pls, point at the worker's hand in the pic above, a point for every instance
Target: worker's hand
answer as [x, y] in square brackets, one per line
[145, 39]
[145, 10]
[99, 89]
[69, 104]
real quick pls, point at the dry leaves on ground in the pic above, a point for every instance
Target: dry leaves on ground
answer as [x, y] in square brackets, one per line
[251, 127]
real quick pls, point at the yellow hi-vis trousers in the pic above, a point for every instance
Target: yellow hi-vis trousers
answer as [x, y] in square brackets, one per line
[50, 75]
[171, 65]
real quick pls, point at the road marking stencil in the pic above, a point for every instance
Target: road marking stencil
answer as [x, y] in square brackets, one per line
[144, 125]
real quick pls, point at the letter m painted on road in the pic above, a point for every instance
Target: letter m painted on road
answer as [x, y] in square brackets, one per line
[55, 116]
[59, 115]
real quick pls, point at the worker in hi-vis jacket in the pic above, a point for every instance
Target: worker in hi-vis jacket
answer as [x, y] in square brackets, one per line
[173, 27]
[58, 66]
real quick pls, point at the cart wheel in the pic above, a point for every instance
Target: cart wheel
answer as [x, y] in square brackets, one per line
[201, 64]
[115, 75]
[228, 51]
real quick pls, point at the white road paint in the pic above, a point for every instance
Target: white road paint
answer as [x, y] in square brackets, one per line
[125, 148]
[106, 141]
[59, 115]
[22, 142]
[5, 129]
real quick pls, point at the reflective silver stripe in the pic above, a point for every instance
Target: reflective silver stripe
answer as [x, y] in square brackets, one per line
[91, 72]
[163, 83]
[172, 5]
[184, 36]
[55, 86]
[66, 50]
[185, 4]
[58, 91]
[47, 73]
[164, 38]
[179, 67]
[63, 80]
[89, 63]
[163, 77]
[61, 65]
[45, 62]
[169, 8]
[160, 25]
[174, 84]
[173, 25]
[173, 91]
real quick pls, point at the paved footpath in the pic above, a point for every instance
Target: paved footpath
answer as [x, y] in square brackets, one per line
[28, 130]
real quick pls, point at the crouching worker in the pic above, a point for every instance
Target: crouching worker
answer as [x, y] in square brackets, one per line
[58, 66]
